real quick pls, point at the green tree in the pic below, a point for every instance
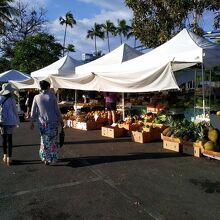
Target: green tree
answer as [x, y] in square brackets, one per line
[156, 21]
[70, 48]
[109, 28]
[26, 22]
[96, 32]
[122, 29]
[4, 64]
[67, 21]
[35, 52]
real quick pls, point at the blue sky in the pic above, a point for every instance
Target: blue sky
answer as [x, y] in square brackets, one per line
[86, 13]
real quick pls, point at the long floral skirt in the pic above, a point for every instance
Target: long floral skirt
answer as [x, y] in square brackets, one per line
[49, 142]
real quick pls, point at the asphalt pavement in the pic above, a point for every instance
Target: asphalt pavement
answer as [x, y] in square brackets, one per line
[99, 178]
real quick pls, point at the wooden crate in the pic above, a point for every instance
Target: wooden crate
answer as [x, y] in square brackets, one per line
[170, 145]
[171, 139]
[142, 137]
[191, 149]
[211, 154]
[112, 132]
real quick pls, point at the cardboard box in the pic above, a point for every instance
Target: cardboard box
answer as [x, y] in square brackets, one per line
[190, 149]
[174, 146]
[90, 125]
[130, 127]
[112, 132]
[142, 137]
[151, 109]
[171, 139]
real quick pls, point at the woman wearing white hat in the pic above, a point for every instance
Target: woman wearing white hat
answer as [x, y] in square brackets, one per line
[9, 120]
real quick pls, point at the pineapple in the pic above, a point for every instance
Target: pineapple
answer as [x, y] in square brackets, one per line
[213, 134]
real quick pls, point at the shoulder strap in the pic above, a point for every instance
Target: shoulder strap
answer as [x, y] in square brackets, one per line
[4, 100]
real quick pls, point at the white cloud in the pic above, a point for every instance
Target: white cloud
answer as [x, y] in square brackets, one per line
[113, 4]
[34, 3]
[112, 10]
[77, 34]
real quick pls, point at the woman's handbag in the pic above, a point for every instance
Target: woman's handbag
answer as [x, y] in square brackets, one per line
[62, 137]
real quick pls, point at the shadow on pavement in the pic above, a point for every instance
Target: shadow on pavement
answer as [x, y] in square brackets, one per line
[26, 145]
[93, 160]
[25, 162]
[115, 140]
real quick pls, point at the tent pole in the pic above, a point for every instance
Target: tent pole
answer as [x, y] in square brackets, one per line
[195, 87]
[58, 96]
[123, 106]
[203, 92]
[210, 89]
[75, 104]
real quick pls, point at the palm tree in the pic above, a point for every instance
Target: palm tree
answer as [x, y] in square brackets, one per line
[109, 27]
[6, 11]
[67, 21]
[122, 29]
[96, 31]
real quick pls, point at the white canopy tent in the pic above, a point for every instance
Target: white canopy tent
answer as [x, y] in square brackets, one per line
[63, 67]
[143, 73]
[119, 55]
[13, 75]
[184, 50]
[153, 71]
[31, 83]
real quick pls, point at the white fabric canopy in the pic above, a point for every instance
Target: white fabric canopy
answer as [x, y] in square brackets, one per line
[26, 84]
[155, 79]
[153, 71]
[119, 55]
[63, 67]
[13, 75]
[183, 50]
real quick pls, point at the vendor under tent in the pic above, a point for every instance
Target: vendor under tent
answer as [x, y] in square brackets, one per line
[121, 54]
[63, 67]
[13, 75]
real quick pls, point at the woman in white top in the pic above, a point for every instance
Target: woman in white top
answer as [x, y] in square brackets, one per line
[47, 113]
[10, 120]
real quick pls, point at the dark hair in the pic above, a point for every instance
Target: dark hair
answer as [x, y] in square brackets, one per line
[44, 85]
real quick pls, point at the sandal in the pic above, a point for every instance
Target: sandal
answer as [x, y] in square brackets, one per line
[4, 159]
[46, 163]
[9, 161]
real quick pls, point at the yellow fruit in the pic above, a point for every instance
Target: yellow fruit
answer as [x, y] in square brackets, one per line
[165, 131]
[218, 113]
[209, 145]
[213, 135]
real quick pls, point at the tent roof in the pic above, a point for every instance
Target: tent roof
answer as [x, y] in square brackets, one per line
[152, 71]
[185, 47]
[62, 67]
[13, 75]
[119, 55]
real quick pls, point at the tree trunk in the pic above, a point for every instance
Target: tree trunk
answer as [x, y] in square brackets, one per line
[95, 46]
[121, 38]
[64, 40]
[108, 42]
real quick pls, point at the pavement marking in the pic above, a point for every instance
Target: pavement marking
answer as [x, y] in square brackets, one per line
[47, 188]
[148, 210]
